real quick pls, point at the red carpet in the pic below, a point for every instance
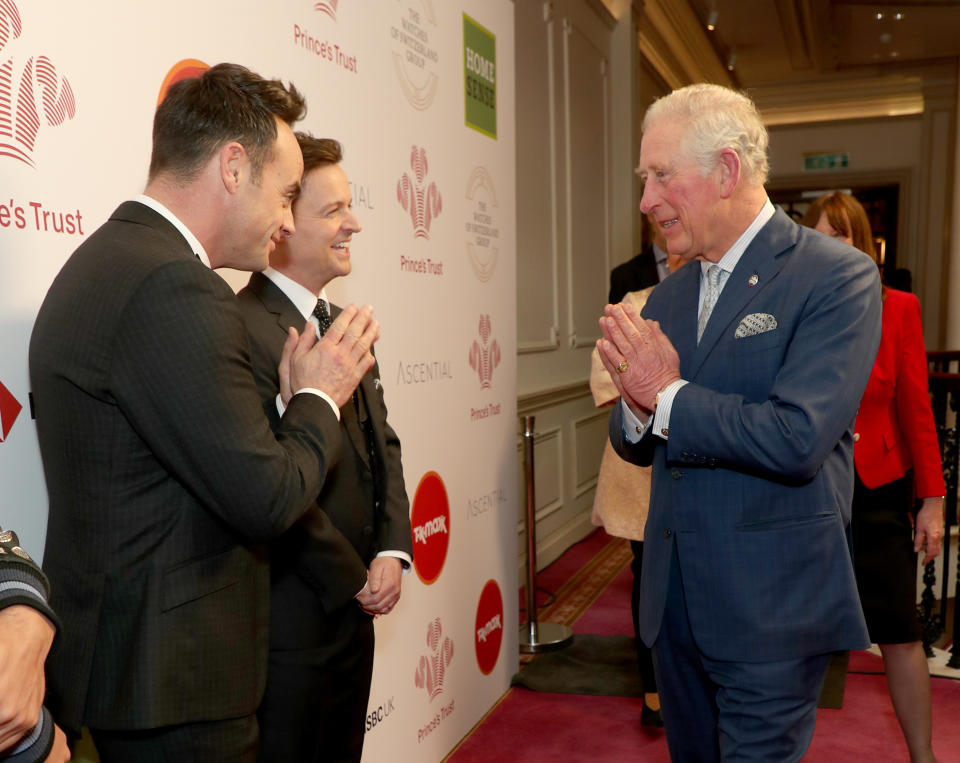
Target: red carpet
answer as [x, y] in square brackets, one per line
[529, 727]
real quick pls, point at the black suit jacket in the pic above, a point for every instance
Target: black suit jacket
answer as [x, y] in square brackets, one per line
[164, 480]
[635, 274]
[362, 507]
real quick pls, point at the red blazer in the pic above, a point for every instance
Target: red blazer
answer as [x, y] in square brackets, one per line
[895, 429]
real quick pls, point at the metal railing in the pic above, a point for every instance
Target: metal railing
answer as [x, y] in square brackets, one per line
[945, 398]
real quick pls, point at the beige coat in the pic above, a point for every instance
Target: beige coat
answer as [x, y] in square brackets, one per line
[623, 490]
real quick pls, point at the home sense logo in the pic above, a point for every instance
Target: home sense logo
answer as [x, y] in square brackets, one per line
[9, 409]
[488, 631]
[430, 525]
[480, 77]
[26, 95]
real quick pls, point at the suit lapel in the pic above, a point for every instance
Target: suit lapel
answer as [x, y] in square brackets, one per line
[761, 259]
[276, 302]
[683, 304]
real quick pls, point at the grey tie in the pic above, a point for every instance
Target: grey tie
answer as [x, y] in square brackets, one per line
[323, 316]
[714, 277]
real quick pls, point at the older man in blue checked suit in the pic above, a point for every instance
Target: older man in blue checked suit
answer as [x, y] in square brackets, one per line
[740, 384]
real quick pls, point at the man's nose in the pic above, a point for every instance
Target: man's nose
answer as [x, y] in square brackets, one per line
[287, 227]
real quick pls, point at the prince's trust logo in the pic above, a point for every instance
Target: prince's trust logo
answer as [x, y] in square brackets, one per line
[36, 94]
[422, 201]
[484, 355]
[431, 670]
[330, 8]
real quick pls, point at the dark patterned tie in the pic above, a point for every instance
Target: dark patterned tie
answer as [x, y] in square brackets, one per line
[323, 316]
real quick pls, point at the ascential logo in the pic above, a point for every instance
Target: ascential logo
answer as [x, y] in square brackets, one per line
[329, 7]
[422, 201]
[484, 355]
[39, 92]
[432, 668]
[9, 409]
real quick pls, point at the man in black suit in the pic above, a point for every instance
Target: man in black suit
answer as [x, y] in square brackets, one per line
[165, 479]
[342, 564]
[645, 269]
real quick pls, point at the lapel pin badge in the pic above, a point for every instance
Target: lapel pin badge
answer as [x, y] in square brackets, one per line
[753, 280]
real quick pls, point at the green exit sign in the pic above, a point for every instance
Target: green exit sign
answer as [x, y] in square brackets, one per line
[820, 162]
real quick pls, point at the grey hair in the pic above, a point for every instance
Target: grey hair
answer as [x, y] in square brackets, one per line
[716, 118]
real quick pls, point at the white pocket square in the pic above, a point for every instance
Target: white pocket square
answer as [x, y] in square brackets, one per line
[755, 323]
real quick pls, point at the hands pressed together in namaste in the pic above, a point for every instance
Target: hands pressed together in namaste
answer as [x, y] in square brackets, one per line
[638, 356]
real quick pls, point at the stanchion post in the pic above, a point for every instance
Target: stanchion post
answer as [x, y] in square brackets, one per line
[535, 636]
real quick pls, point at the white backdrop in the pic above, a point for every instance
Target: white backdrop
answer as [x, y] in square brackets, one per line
[436, 258]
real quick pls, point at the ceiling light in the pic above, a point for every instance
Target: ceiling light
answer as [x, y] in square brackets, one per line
[879, 15]
[712, 19]
[898, 16]
[732, 61]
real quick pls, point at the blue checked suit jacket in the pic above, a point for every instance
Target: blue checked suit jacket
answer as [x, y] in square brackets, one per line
[752, 489]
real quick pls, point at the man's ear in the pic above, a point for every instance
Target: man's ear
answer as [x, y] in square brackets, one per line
[729, 166]
[234, 164]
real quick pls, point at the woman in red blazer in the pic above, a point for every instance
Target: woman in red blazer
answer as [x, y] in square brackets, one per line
[897, 459]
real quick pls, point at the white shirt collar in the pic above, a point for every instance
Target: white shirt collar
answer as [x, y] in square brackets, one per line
[729, 260]
[303, 299]
[160, 209]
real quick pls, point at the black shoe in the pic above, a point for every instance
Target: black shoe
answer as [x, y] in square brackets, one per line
[650, 717]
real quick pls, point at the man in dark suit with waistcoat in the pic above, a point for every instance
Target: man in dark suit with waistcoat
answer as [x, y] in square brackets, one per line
[164, 476]
[740, 384]
[341, 565]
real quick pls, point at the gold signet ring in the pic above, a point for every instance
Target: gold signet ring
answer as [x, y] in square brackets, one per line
[622, 366]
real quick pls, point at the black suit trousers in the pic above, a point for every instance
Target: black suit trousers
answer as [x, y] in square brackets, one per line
[315, 704]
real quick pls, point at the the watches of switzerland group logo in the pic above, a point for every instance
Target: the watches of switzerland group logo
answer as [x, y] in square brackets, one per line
[415, 60]
[430, 526]
[483, 235]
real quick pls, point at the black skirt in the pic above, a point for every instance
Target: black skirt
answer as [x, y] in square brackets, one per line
[884, 560]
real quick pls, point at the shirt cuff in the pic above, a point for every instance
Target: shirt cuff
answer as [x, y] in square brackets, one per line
[281, 408]
[403, 556]
[661, 417]
[633, 427]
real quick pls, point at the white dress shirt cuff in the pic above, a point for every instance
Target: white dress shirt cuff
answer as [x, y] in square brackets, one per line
[634, 428]
[403, 556]
[281, 408]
